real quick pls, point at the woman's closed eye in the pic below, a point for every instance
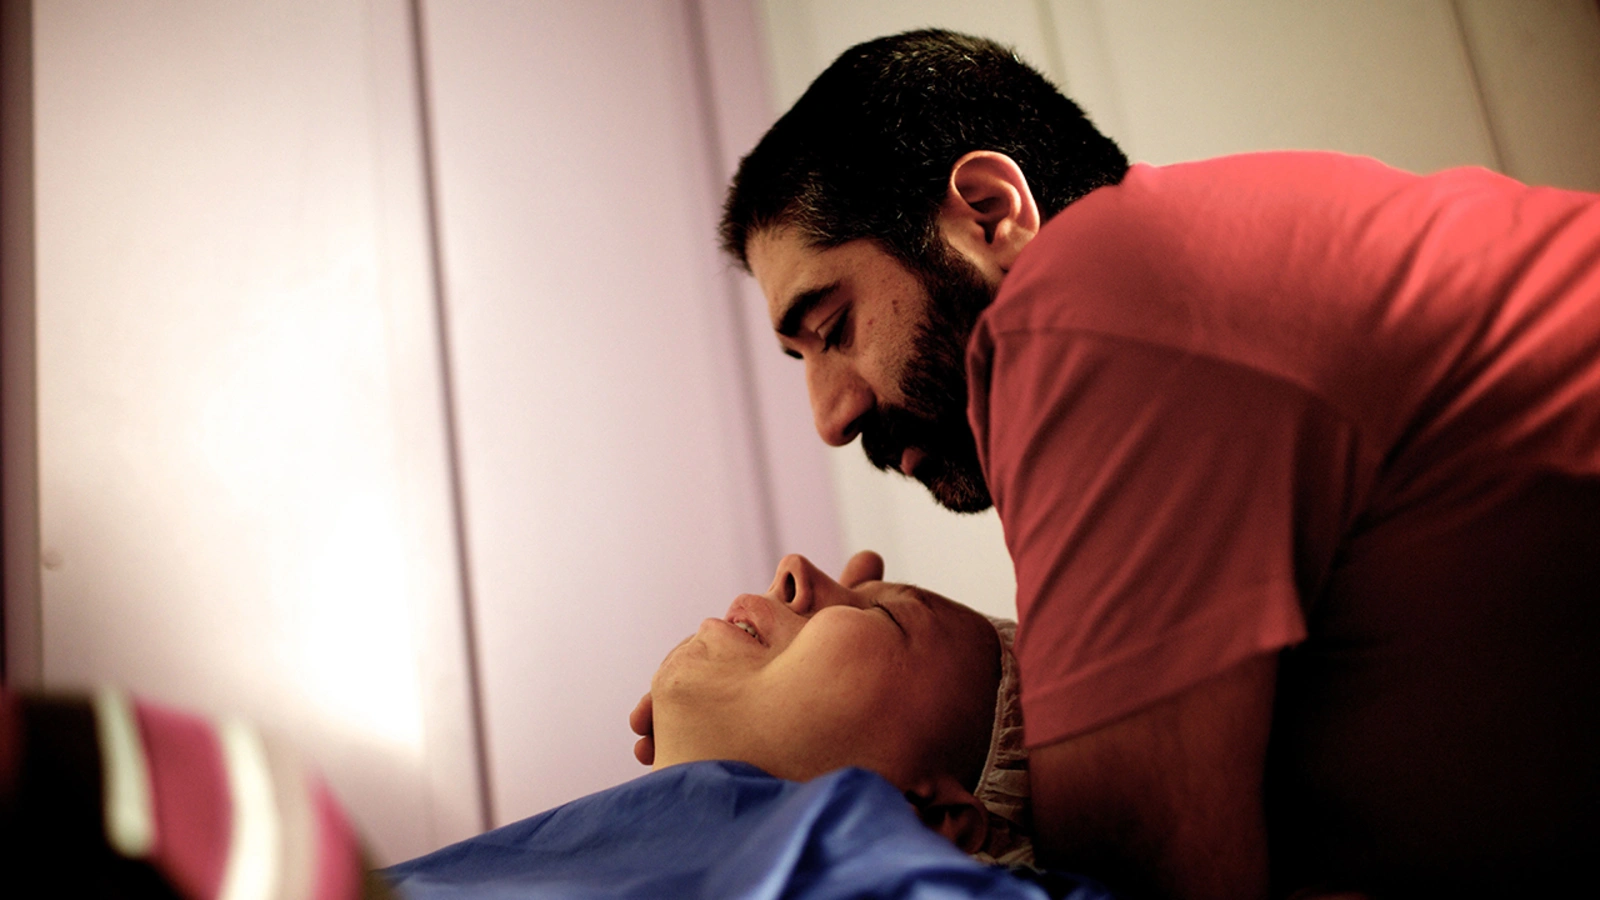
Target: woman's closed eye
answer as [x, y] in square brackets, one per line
[886, 611]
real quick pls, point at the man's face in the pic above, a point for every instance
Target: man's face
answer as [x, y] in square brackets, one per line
[884, 350]
[811, 676]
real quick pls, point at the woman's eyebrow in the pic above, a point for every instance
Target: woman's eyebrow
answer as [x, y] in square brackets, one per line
[919, 597]
[917, 594]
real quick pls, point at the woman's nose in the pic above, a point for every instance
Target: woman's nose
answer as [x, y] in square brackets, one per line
[804, 587]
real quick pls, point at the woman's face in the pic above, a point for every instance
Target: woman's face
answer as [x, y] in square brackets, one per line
[812, 675]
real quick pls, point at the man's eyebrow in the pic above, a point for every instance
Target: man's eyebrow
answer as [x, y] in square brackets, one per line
[801, 306]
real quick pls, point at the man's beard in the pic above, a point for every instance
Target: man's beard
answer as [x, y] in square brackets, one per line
[933, 418]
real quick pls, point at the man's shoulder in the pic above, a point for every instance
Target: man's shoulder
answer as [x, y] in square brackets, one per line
[1164, 233]
[1182, 197]
[1237, 186]
[1308, 175]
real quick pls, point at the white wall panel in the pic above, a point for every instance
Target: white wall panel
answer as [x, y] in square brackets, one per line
[244, 497]
[806, 35]
[1538, 65]
[1089, 76]
[612, 494]
[1373, 77]
[805, 517]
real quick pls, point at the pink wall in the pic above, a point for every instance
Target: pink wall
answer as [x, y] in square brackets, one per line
[614, 492]
[313, 413]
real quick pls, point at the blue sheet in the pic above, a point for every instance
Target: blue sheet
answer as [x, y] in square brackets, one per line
[720, 830]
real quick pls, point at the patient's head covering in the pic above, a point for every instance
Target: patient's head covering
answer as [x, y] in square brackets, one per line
[1003, 786]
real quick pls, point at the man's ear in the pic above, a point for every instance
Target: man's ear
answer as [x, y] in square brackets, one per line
[950, 809]
[989, 213]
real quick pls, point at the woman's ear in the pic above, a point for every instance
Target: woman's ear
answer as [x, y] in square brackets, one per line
[950, 809]
[989, 213]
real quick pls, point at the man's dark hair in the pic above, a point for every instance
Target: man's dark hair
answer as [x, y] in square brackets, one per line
[866, 152]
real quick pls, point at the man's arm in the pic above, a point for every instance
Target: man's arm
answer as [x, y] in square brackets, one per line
[1168, 801]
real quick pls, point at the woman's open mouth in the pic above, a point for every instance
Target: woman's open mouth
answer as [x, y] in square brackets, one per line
[743, 615]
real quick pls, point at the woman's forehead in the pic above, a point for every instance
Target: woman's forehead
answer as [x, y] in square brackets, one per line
[951, 621]
[936, 603]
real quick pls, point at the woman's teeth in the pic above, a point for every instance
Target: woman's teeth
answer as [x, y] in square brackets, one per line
[748, 629]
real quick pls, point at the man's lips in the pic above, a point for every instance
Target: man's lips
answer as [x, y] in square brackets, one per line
[910, 458]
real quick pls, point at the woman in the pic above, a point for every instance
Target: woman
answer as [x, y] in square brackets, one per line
[800, 743]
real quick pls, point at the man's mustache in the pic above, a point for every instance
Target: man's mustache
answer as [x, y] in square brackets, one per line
[889, 430]
[887, 434]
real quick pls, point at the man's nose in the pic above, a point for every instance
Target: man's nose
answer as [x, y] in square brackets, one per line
[840, 401]
[806, 588]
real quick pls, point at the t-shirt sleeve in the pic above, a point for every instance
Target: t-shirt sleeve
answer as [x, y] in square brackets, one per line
[1165, 510]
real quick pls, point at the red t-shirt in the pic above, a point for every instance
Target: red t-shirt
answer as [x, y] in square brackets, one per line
[1303, 400]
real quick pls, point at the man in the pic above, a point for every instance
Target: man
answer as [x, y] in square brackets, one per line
[1297, 456]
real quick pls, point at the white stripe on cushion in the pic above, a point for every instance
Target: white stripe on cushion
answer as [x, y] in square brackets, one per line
[130, 823]
[253, 853]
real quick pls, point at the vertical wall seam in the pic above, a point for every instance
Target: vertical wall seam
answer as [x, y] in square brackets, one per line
[480, 732]
[1055, 59]
[1476, 80]
[21, 590]
[744, 365]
